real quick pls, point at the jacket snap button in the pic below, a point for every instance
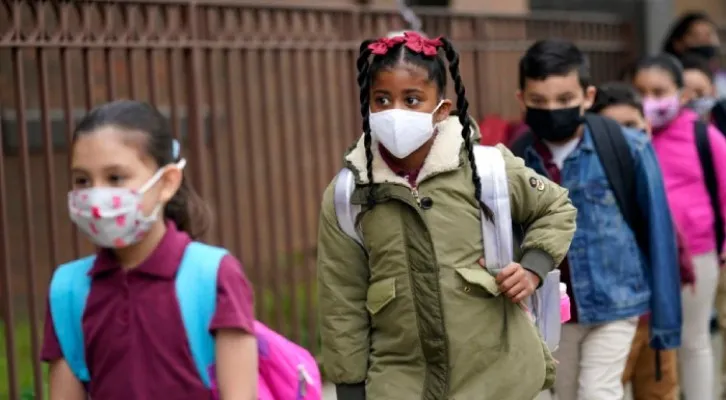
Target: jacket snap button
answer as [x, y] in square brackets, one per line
[427, 203]
[467, 289]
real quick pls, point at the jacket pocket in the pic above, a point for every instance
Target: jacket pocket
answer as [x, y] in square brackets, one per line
[380, 294]
[478, 280]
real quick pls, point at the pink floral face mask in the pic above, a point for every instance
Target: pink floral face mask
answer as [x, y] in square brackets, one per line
[660, 112]
[112, 217]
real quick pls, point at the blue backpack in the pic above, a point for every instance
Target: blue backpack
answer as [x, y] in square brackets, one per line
[196, 290]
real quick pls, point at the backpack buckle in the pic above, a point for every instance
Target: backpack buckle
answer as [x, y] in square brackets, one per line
[303, 379]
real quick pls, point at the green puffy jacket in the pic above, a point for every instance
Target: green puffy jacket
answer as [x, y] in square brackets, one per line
[413, 316]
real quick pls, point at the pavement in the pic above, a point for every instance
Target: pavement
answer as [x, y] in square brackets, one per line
[329, 390]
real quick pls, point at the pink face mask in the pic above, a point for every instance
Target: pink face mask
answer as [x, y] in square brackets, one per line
[112, 216]
[660, 112]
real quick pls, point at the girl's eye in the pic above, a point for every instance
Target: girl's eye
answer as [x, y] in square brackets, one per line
[382, 101]
[115, 179]
[412, 101]
[80, 181]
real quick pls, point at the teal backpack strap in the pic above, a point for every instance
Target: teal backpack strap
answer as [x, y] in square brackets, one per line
[196, 291]
[69, 290]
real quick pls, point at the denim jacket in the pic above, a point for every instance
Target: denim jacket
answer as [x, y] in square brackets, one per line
[611, 278]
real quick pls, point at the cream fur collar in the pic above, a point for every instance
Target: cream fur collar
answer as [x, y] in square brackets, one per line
[444, 157]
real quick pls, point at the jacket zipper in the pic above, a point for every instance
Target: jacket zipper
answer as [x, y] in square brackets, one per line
[414, 192]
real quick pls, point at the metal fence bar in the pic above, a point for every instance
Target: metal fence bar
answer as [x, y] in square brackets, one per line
[233, 148]
[110, 75]
[27, 199]
[151, 77]
[193, 72]
[252, 106]
[8, 314]
[171, 62]
[67, 104]
[290, 174]
[48, 155]
[215, 136]
[271, 171]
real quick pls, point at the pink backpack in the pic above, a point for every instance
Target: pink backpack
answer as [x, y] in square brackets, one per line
[286, 370]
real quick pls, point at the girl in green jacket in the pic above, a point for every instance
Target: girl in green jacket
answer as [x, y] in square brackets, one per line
[409, 313]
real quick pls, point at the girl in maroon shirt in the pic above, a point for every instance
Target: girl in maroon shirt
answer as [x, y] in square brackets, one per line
[131, 199]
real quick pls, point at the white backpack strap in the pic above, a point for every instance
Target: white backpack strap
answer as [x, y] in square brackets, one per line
[497, 234]
[345, 210]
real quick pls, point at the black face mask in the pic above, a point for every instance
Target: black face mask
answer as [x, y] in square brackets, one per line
[708, 52]
[553, 125]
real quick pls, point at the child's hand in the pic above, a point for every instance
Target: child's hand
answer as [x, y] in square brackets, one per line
[516, 282]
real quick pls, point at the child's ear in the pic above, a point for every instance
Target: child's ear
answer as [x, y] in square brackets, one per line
[686, 96]
[171, 181]
[590, 94]
[444, 110]
[520, 99]
[712, 90]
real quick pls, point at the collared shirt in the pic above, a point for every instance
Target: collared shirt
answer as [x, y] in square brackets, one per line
[135, 342]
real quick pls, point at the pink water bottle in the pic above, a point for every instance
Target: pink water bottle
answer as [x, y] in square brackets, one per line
[564, 304]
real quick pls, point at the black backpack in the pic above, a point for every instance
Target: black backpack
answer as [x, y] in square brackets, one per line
[619, 166]
[718, 113]
[709, 175]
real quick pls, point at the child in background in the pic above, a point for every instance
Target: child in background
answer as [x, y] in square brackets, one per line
[411, 313]
[698, 82]
[132, 200]
[620, 101]
[616, 269]
[695, 33]
[659, 80]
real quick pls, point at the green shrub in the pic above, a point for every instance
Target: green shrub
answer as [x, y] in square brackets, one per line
[23, 360]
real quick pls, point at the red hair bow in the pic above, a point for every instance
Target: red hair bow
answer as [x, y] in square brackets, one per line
[413, 41]
[381, 46]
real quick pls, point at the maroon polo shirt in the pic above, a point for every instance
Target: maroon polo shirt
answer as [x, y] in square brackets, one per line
[391, 162]
[554, 175]
[136, 346]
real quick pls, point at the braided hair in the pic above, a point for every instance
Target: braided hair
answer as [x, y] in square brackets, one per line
[436, 68]
[364, 83]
